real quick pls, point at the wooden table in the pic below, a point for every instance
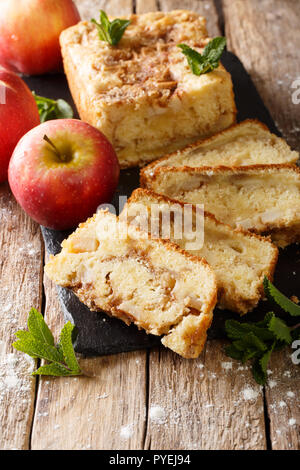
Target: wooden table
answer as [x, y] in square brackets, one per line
[153, 400]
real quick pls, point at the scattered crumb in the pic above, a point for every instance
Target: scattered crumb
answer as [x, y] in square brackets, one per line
[290, 394]
[295, 299]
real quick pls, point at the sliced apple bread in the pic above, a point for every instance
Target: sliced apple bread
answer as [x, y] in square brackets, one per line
[262, 198]
[115, 267]
[240, 259]
[247, 143]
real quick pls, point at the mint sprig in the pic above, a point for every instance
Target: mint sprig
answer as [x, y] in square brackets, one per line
[38, 342]
[52, 109]
[110, 31]
[257, 341]
[208, 60]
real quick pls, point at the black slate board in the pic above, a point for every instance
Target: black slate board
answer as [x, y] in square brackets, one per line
[99, 334]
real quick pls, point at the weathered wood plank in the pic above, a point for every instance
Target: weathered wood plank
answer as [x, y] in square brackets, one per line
[108, 410]
[142, 6]
[203, 7]
[90, 8]
[21, 287]
[200, 404]
[282, 395]
[208, 403]
[265, 34]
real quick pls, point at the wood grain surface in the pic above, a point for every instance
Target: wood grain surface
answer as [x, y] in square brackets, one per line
[265, 35]
[21, 266]
[153, 400]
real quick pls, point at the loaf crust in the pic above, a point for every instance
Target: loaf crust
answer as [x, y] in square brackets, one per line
[214, 186]
[260, 257]
[247, 143]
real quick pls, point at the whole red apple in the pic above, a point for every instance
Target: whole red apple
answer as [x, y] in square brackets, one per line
[18, 114]
[61, 171]
[29, 33]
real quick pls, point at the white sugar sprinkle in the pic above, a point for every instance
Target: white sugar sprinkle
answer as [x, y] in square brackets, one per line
[250, 394]
[126, 431]
[157, 414]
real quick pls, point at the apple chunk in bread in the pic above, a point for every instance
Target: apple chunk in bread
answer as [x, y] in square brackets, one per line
[141, 93]
[115, 267]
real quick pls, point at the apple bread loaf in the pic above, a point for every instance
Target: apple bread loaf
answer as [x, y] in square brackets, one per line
[240, 259]
[141, 92]
[262, 198]
[115, 267]
[247, 143]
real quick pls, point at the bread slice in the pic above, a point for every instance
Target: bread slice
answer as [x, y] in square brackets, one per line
[240, 259]
[115, 267]
[262, 198]
[247, 143]
[141, 93]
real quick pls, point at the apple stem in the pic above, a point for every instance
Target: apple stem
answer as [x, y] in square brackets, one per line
[59, 155]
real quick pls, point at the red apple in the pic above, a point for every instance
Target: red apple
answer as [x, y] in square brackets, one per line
[18, 114]
[62, 180]
[29, 33]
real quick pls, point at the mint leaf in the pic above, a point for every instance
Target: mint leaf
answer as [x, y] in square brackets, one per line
[208, 60]
[52, 109]
[257, 341]
[38, 343]
[214, 49]
[67, 347]
[35, 348]
[259, 367]
[280, 299]
[280, 330]
[237, 330]
[259, 375]
[53, 369]
[250, 341]
[110, 31]
[38, 327]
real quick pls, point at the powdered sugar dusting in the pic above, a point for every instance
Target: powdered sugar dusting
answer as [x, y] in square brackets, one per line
[126, 431]
[250, 393]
